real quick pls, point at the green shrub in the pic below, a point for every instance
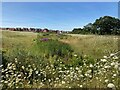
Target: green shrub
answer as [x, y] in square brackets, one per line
[53, 47]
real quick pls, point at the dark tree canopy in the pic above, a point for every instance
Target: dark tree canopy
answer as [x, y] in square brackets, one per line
[103, 25]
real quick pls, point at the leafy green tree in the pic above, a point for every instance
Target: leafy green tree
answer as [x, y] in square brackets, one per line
[102, 26]
[107, 25]
[77, 31]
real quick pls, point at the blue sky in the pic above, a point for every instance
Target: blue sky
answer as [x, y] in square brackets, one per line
[55, 15]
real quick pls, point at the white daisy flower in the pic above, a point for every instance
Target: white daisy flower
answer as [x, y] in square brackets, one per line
[114, 75]
[115, 57]
[106, 80]
[91, 65]
[23, 67]
[105, 56]
[81, 86]
[6, 82]
[112, 54]
[36, 72]
[111, 85]
[77, 68]
[103, 60]
[63, 82]
[75, 55]
[19, 75]
[112, 63]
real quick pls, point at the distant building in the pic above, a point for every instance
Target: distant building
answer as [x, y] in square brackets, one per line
[45, 30]
[59, 32]
[33, 30]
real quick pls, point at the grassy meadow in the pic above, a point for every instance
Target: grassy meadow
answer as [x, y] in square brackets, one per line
[94, 45]
[40, 60]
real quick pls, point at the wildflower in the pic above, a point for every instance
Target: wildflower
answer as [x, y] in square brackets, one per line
[15, 75]
[89, 71]
[5, 70]
[105, 56]
[29, 65]
[17, 80]
[24, 77]
[106, 80]
[113, 80]
[60, 62]
[116, 66]
[112, 54]
[111, 85]
[60, 68]
[45, 79]
[9, 64]
[55, 85]
[86, 74]
[7, 75]
[81, 86]
[14, 68]
[1, 65]
[114, 75]
[75, 55]
[2, 70]
[49, 80]
[79, 71]
[80, 66]
[36, 72]
[77, 68]
[103, 60]
[6, 82]
[63, 82]
[71, 68]
[10, 67]
[13, 65]
[31, 70]
[23, 67]
[90, 76]
[19, 62]
[81, 75]
[35, 68]
[97, 78]
[91, 65]
[44, 39]
[2, 81]
[16, 60]
[19, 75]
[107, 67]
[115, 57]
[67, 71]
[112, 63]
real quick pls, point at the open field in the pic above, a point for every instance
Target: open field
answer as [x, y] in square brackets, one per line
[60, 61]
[94, 45]
[12, 38]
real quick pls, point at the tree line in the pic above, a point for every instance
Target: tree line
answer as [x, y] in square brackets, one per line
[106, 25]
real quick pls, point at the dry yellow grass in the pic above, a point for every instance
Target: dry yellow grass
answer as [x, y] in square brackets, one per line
[13, 38]
[93, 45]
